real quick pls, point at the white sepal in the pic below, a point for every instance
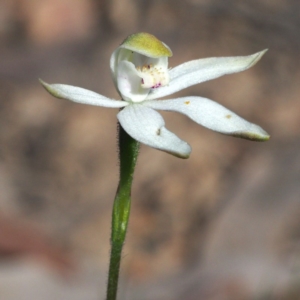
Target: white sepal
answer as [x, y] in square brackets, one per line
[212, 115]
[80, 95]
[201, 70]
[148, 127]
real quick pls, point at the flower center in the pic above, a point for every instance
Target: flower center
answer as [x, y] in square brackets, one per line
[153, 76]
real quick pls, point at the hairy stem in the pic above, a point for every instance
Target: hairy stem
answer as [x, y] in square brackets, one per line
[128, 153]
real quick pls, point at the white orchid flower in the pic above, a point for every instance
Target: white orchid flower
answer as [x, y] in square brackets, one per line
[140, 71]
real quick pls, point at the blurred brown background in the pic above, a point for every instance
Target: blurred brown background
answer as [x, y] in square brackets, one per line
[223, 224]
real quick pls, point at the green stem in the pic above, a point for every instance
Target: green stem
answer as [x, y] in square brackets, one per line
[128, 153]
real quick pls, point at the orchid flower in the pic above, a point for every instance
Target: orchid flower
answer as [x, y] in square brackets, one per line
[141, 75]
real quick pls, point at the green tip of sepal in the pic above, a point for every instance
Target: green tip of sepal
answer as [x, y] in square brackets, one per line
[46, 86]
[256, 134]
[257, 56]
[184, 153]
[49, 89]
[146, 44]
[179, 155]
[43, 83]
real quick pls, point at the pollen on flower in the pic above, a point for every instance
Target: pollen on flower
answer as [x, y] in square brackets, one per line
[187, 102]
[153, 76]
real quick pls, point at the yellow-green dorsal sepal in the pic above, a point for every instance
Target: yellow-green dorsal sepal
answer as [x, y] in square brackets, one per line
[146, 44]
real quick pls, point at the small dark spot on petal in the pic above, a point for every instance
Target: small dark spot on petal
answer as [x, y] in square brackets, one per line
[228, 116]
[187, 102]
[158, 131]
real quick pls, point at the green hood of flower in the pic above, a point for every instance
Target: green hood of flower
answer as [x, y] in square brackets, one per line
[146, 44]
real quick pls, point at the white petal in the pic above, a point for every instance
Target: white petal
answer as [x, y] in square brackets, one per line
[129, 83]
[118, 55]
[81, 95]
[212, 115]
[197, 71]
[148, 127]
[113, 66]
